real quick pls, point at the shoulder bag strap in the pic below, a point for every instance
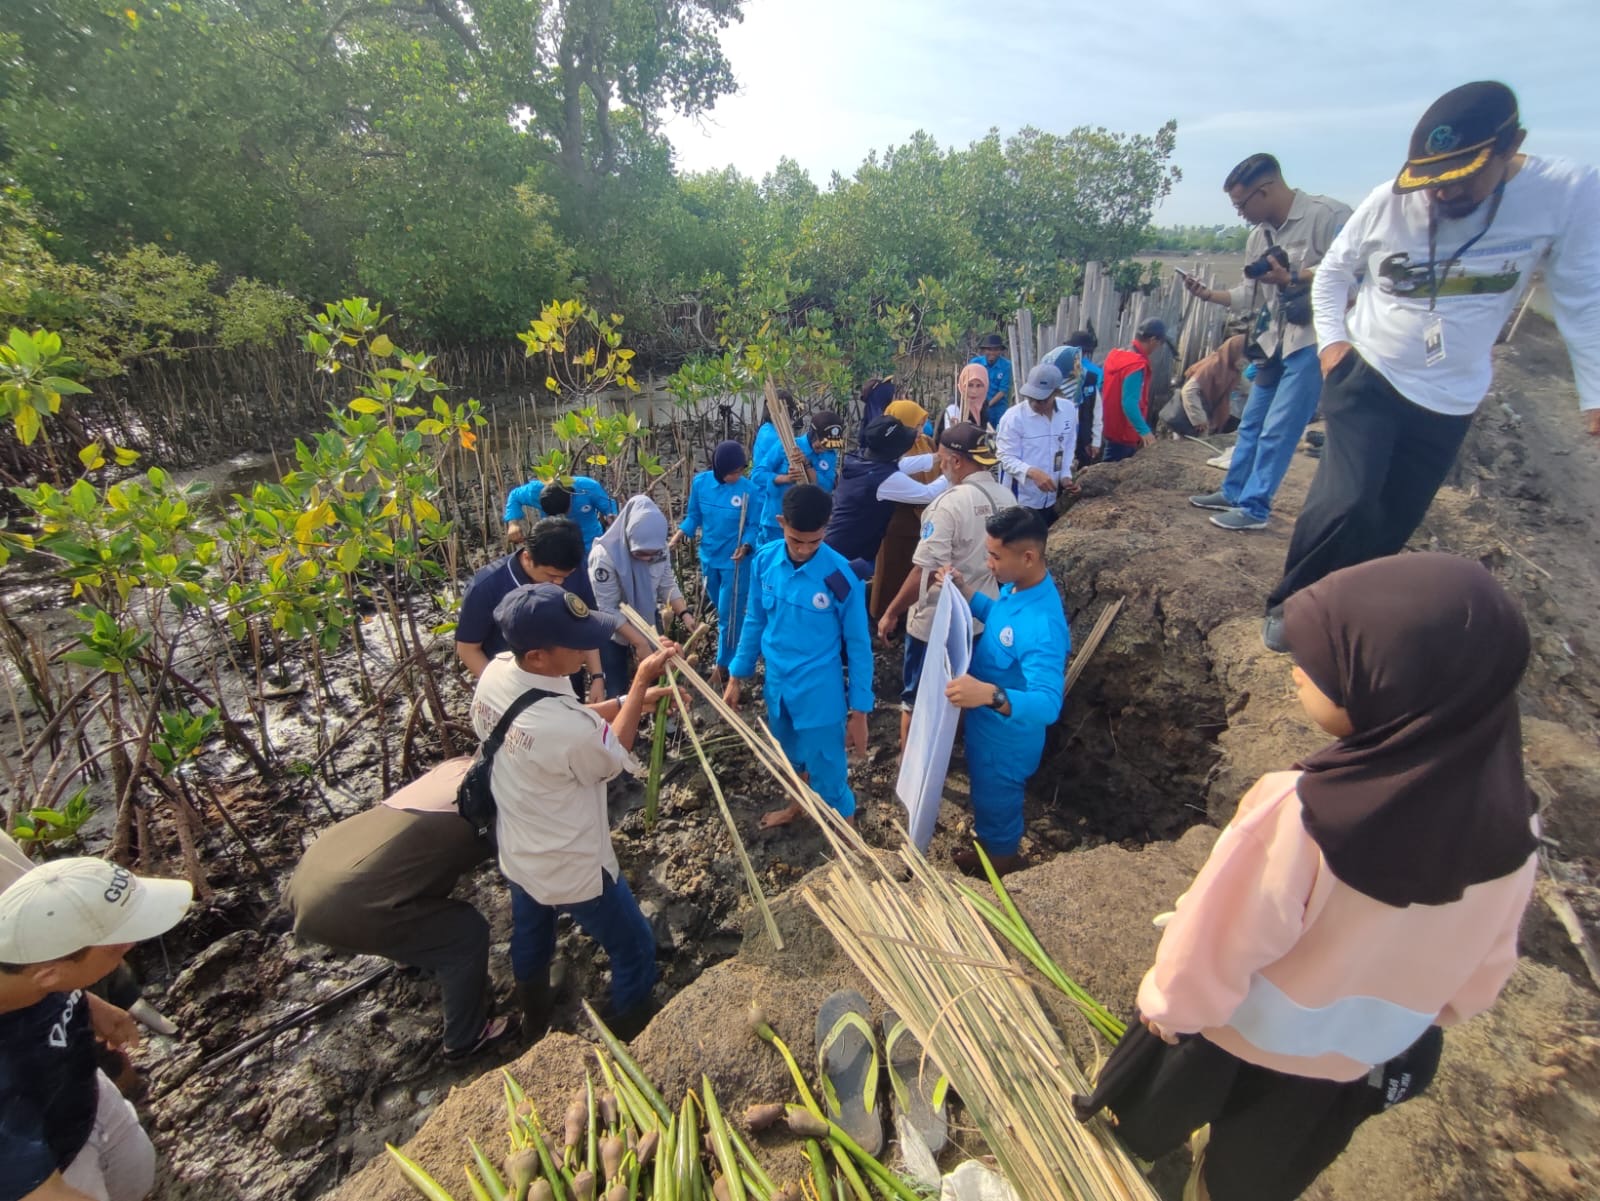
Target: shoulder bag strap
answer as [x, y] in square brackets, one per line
[513, 711]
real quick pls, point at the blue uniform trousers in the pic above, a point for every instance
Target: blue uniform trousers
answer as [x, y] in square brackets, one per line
[612, 919]
[1275, 417]
[1001, 756]
[730, 608]
[819, 753]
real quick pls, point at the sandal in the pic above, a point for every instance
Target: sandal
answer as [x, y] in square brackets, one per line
[917, 1086]
[495, 1029]
[847, 1062]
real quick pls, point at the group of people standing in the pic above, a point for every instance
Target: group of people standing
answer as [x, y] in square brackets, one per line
[1352, 908]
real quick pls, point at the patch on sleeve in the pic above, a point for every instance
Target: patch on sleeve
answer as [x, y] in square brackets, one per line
[838, 584]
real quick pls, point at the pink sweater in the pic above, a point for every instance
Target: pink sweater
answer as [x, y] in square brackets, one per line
[1274, 960]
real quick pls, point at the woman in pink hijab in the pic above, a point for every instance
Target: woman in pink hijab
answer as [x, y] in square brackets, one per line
[972, 386]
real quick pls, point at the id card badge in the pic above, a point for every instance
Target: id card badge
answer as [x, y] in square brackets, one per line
[1060, 455]
[1433, 343]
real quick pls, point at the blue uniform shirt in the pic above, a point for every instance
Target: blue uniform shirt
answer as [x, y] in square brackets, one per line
[590, 501]
[714, 512]
[798, 619]
[1023, 648]
[999, 398]
[824, 462]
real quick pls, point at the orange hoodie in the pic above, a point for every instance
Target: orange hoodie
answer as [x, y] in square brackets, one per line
[1273, 959]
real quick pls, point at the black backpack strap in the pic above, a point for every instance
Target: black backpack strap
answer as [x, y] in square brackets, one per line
[513, 711]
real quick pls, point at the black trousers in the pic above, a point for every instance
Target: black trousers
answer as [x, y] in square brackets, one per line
[1382, 463]
[1272, 1133]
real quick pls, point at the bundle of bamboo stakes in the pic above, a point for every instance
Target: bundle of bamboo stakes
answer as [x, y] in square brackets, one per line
[778, 412]
[933, 959]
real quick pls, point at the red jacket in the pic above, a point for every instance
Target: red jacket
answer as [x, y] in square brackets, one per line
[1119, 365]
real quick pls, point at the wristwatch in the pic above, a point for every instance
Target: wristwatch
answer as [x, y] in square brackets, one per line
[1000, 699]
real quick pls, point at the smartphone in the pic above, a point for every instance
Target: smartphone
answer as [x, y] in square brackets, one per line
[1181, 273]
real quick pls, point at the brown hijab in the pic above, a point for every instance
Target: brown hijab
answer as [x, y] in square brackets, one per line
[1427, 797]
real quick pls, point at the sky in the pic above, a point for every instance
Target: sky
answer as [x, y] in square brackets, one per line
[1332, 88]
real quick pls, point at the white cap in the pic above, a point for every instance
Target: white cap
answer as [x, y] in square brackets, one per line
[61, 907]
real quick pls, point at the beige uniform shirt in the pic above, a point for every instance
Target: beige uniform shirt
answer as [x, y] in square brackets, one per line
[1312, 225]
[953, 535]
[550, 786]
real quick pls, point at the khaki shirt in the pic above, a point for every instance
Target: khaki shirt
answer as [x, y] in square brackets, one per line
[1312, 224]
[550, 786]
[953, 535]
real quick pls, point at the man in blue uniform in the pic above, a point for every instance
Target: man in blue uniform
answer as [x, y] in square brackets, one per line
[584, 500]
[725, 510]
[775, 474]
[991, 357]
[1013, 688]
[808, 604]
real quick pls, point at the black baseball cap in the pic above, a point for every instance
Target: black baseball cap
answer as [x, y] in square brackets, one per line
[539, 616]
[1458, 135]
[827, 430]
[1152, 328]
[886, 439]
[991, 342]
[1083, 339]
[967, 439]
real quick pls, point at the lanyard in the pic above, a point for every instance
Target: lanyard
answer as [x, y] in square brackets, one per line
[1436, 277]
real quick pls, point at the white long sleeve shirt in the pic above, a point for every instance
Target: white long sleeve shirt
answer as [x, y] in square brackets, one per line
[1549, 216]
[1027, 439]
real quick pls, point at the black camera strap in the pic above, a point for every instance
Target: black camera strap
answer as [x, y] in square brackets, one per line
[1436, 277]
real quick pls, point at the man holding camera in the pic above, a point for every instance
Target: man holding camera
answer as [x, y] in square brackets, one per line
[1291, 232]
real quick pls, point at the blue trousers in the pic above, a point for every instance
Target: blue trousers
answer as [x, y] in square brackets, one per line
[1001, 757]
[612, 919]
[1275, 417]
[616, 661]
[819, 752]
[730, 608]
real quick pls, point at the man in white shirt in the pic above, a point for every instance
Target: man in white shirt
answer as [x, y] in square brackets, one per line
[1036, 440]
[953, 535]
[1292, 231]
[549, 783]
[1436, 261]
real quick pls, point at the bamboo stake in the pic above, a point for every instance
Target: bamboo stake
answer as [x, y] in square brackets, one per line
[1092, 642]
[778, 411]
[750, 878]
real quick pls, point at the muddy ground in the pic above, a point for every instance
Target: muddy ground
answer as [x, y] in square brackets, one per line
[1175, 716]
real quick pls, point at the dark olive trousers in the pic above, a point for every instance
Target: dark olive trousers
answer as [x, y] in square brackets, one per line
[379, 883]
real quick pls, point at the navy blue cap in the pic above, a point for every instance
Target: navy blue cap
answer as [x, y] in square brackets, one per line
[539, 616]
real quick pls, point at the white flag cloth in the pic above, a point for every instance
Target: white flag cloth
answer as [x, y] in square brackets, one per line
[933, 720]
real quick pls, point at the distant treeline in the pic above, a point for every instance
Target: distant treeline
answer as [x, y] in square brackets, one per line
[1199, 239]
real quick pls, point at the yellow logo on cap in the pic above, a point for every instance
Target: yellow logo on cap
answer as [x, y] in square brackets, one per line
[576, 607]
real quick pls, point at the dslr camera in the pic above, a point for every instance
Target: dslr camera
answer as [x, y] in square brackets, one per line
[1294, 302]
[1273, 254]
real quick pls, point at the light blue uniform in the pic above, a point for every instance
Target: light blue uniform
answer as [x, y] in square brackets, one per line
[590, 501]
[799, 621]
[1023, 649]
[824, 462]
[716, 511]
[999, 397]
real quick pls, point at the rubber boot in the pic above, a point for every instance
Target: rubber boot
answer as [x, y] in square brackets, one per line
[629, 1024]
[537, 1000]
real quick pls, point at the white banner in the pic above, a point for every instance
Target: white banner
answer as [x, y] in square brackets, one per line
[933, 721]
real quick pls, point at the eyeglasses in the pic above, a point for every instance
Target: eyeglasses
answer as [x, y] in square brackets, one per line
[1240, 205]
